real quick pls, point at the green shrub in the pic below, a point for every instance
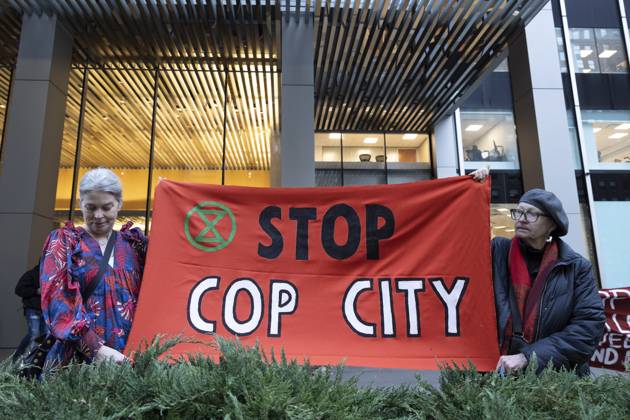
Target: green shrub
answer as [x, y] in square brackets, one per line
[246, 385]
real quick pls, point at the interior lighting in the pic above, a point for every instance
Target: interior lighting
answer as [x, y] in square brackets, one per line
[585, 53]
[586, 71]
[597, 130]
[370, 140]
[500, 227]
[474, 127]
[624, 126]
[503, 209]
[3, 106]
[409, 136]
[617, 135]
[607, 53]
[334, 136]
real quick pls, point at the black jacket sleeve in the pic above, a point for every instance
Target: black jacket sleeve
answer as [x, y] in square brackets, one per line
[28, 284]
[574, 344]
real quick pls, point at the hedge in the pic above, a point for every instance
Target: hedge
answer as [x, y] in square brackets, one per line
[246, 385]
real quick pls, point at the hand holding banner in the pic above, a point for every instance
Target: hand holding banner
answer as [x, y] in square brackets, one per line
[383, 276]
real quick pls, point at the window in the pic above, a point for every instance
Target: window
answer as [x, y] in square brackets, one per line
[610, 50]
[500, 222]
[598, 51]
[489, 138]
[328, 159]
[371, 158]
[573, 136]
[5, 81]
[363, 158]
[614, 230]
[562, 53]
[408, 157]
[607, 137]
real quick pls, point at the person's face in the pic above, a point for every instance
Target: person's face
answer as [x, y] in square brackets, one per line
[100, 210]
[533, 231]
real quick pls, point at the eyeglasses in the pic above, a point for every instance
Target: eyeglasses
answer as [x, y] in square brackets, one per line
[530, 216]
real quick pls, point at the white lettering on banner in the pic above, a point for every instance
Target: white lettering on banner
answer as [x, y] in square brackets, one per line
[196, 320]
[411, 287]
[230, 321]
[350, 314]
[284, 300]
[605, 356]
[615, 340]
[451, 299]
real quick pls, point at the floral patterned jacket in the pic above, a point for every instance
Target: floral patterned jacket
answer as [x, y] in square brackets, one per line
[69, 263]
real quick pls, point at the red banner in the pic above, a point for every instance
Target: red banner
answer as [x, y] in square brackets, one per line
[613, 351]
[394, 276]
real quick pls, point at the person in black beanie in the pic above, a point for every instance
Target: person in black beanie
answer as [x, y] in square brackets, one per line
[546, 296]
[28, 289]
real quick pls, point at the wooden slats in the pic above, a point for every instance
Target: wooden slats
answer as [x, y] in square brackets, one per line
[380, 65]
[407, 60]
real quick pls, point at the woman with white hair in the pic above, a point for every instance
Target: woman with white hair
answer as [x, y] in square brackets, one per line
[90, 277]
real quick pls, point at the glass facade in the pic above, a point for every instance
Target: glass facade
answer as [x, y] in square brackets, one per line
[500, 222]
[598, 50]
[607, 138]
[614, 231]
[5, 82]
[371, 158]
[599, 55]
[489, 138]
[200, 123]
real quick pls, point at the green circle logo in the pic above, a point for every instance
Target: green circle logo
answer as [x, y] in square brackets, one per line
[212, 214]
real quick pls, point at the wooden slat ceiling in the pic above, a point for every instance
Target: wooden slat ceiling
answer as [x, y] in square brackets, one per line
[380, 65]
[399, 65]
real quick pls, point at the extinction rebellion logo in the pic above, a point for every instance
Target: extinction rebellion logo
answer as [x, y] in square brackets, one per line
[210, 226]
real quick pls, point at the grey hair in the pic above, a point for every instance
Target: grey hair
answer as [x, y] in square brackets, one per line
[101, 180]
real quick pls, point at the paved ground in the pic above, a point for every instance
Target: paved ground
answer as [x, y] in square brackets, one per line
[383, 378]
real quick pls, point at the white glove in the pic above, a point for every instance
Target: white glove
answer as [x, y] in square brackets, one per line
[110, 355]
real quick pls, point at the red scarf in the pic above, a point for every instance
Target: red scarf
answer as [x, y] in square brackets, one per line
[528, 293]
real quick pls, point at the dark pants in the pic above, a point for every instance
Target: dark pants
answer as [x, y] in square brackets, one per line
[36, 328]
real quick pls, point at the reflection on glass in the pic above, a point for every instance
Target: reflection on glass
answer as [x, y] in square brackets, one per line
[363, 158]
[502, 67]
[117, 129]
[607, 137]
[584, 50]
[573, 137]
[69, 144]
[250, 125]
[408, 158]
[328, 165]
[188, 129]
[500, 222]
[610, 51]
[489, 138]
[5, 80]
[614, 230]
[598, 51]
[562, 54]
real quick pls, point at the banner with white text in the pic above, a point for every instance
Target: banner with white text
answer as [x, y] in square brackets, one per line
[613, 351]
[395, 276]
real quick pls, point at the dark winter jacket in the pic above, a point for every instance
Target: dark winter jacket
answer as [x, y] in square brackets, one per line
[27, 288]
[571, 318]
